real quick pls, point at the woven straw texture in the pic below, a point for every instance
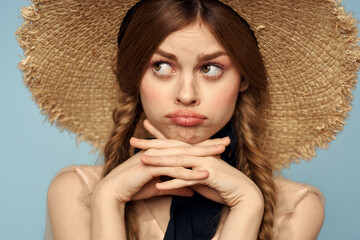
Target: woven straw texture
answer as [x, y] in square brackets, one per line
[310, 49]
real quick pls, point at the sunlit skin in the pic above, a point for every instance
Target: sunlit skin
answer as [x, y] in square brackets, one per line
[187, 98]
[190, 87]
[188, 92]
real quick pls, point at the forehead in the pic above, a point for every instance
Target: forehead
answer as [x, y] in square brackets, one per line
[195, 37]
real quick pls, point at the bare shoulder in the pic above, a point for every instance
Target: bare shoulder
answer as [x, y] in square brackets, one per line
[73, 182]
[66, 206]
[66, 185]
[305, 204]
[308, 217]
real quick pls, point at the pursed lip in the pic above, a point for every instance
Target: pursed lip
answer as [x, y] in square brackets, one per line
[186, 118]
[185, 113]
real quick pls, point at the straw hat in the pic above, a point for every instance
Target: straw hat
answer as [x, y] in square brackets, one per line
[310, 49]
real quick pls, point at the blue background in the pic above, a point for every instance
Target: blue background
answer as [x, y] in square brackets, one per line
[32, 152]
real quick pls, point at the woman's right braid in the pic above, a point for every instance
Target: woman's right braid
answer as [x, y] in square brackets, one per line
[116, 150]
[253, 163]
[125, 119]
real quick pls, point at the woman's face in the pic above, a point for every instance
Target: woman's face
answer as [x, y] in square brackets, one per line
[190, 86]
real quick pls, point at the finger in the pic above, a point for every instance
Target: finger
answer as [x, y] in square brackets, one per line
[176, 184]
[156, 143]
[171, 161]
[197, 151]
[177, 172]
[149, 190]
[151, 129]
[186, 152]
[209, 142]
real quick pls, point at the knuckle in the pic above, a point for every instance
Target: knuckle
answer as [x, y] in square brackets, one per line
[151, 152]
[211, 171]
[208, 147]
[179, 159]
[191, 173]
[148, 152]
[177, 171]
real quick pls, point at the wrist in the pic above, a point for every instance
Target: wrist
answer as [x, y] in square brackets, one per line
[251, 208]
[250, 211]
[252, 202]
[107, 217]
[103, 197]
[243, 220]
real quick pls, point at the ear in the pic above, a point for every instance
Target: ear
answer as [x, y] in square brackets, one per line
[244, 84]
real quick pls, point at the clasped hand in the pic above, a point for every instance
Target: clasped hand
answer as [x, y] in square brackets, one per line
[192, 168]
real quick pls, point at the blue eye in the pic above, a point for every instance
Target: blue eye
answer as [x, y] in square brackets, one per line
[212, 70]
[162, 69]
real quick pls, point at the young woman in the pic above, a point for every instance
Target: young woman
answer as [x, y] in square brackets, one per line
[222, 116]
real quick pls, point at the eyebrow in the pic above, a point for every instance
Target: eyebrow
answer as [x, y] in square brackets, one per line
[200, 58]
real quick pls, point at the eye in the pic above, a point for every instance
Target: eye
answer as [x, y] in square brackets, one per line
[212, 70]
[162, 69]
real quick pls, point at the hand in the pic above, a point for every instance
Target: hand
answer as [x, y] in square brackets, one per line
[133, 180]
[224, 184]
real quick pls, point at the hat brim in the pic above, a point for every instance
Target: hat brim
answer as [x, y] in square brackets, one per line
[310, 50]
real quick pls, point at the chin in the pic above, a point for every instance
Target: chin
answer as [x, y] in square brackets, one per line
[191, 135]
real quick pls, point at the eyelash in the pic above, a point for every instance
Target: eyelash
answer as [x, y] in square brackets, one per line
[216, 65]
[157, 62]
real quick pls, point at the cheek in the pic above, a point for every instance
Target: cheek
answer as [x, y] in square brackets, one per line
[226, 96]
[147, 94]
[225, 105]
[223, 100]
[152, 96]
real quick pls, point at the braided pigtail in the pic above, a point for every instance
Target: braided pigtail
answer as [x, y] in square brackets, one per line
[117, 149]
[252, 162]
[125, 119]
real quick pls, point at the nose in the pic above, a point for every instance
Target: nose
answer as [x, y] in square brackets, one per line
[187, 92]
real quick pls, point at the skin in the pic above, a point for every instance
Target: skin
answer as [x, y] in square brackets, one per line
[175, 149]
[186, 81]
[182, 75]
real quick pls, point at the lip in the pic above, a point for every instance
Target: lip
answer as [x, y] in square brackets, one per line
[186, 118]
